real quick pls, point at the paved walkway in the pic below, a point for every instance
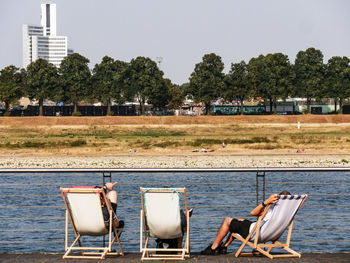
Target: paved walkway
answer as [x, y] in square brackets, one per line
[135, 257]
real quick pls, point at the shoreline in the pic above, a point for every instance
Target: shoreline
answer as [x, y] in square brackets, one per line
[177, 161]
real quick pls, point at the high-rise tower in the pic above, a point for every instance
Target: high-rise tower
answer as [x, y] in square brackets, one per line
[42, 41]
[48, 18]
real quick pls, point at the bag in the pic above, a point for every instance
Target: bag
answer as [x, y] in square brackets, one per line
[166, 243]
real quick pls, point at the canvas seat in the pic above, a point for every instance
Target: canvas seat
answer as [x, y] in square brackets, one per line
[84, 211]
[282, 217]
[161, 218]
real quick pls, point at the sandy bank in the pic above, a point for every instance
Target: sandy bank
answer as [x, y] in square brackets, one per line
[173, 161]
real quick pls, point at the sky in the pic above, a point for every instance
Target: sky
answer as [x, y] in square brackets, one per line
[183, 31]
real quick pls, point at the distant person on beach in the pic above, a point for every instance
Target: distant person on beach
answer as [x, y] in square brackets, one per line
[239, 226]
[112, 197]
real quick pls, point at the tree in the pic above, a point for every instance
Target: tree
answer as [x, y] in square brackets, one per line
[11, 85]
[104, 82]
[207, 80]
[335, 80]
[237, 85]
[145, 81]
[41, 81]
[280, 77]
[158, 95]
[258, 73]
[75, 79]
[177, 96]
[309, 73]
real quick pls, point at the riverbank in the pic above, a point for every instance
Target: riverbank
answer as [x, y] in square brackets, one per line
[175, 141]
[200, 160]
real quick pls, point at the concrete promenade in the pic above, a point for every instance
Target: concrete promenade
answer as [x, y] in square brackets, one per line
[135, 257]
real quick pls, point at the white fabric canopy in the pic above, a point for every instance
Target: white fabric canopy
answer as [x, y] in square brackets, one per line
[163, 214]
[87, 213]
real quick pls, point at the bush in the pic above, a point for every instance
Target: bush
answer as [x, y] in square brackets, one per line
[78, 143]
[7, 114]
[76, 113]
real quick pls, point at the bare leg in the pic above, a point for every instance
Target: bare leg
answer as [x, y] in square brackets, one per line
[231, 238]
[222, 232]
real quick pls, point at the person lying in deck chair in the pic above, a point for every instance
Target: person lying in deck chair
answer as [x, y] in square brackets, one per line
[112, 197]
[239, 226]
[176, 242]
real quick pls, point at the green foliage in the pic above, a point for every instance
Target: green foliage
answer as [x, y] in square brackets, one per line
[157, 133]
[78, 143]
[107, 81]
[309, 72]
[76, 113]
[270, 76]
[336, 79]
[200, 142]
[158, 95]
[257, 75]
[42, 81]
[75, 79]
[11, 85]
[280, 77]
[145, 82]
[237, 85]
[207, 80]
[177, 97]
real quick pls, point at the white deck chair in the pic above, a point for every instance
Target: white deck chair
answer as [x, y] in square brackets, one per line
[282, 217]
[83, 210]
[160, 218]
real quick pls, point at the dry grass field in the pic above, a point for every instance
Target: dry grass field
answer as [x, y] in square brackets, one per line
[244, 135]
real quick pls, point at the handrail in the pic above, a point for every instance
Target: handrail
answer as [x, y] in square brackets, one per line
[165, 170]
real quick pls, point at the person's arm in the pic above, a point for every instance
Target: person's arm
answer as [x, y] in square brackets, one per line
[260, 208]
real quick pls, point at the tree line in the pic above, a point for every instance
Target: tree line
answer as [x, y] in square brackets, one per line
[270, 77]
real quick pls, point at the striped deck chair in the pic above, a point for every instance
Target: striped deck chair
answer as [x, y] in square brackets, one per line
[83, 210]
[282, 217]
[160, 218]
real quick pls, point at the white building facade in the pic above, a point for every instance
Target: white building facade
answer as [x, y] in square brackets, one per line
[42, 41]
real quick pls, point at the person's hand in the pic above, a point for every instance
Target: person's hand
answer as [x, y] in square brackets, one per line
[272, 199]
[110, 186]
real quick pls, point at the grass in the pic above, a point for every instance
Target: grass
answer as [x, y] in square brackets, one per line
[172, 137]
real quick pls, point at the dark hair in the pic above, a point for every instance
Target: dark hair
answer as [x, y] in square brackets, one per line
[284, 192]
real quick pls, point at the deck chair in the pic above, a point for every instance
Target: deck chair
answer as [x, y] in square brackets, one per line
[160, 218]
[83, 210]
[282, 217]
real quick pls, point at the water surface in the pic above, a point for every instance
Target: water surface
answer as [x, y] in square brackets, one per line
[32, 210]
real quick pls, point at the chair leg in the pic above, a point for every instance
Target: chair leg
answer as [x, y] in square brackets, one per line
[244, 243]
[120, 245]
[294, 253]
[265, 253]
[70, 248]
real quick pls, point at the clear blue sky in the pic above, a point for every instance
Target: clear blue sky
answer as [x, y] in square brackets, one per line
[182, 31]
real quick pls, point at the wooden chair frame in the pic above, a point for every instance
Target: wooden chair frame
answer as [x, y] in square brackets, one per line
[260, 246]
[102, 252]
[150, 253]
